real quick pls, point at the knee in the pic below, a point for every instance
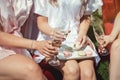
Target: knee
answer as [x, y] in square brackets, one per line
[32, 72]
[71, 70]
[31, 68]
[87, 74]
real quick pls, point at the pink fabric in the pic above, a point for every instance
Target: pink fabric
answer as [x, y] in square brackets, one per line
[13, 14]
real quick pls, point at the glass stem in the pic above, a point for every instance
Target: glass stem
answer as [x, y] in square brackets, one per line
[55, 58]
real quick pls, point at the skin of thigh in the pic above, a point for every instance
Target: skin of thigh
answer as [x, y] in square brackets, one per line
[76, 69]
[86, 64]
[15, 66]
[87, 68]
[114, 60]
[115, 48]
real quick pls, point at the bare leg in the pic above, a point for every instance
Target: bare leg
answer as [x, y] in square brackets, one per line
[19, 67]
[115, 60]
[87, 70]
[71, 70]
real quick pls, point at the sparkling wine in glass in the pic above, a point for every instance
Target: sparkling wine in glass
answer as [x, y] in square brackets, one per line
[99, 34]
[57, 43]
[54, 61]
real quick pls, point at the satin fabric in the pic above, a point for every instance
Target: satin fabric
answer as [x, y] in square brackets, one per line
[13, 14]
[66, 16]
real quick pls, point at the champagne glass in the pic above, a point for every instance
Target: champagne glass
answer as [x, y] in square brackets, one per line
[54, 61]
[99, 34]
[57, 42]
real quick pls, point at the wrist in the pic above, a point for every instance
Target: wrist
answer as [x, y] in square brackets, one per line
[112, 37]
[34, 44]
[81, 34]
[52, 33]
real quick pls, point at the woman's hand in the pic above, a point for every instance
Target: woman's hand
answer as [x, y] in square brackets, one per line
[59, 35]
[45, 48]
[107, 40]
[81, 41]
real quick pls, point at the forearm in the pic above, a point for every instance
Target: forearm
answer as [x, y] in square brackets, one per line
[14, 41]
[116, 27]
[43, 26]
[84, 25]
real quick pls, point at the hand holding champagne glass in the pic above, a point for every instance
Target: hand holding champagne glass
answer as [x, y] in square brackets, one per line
[99, 35]
[54, 61]
[57, 41]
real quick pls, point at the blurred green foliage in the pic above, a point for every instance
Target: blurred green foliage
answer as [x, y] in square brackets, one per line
[102, 70]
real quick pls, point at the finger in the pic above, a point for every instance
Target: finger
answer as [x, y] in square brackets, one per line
[59, 35]
[104, 44]
[47, 54]
[77, 45]
[66, 32]
[47, 59]
[84, 41]
[49, 42]
[51, 51]
[49, 46]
